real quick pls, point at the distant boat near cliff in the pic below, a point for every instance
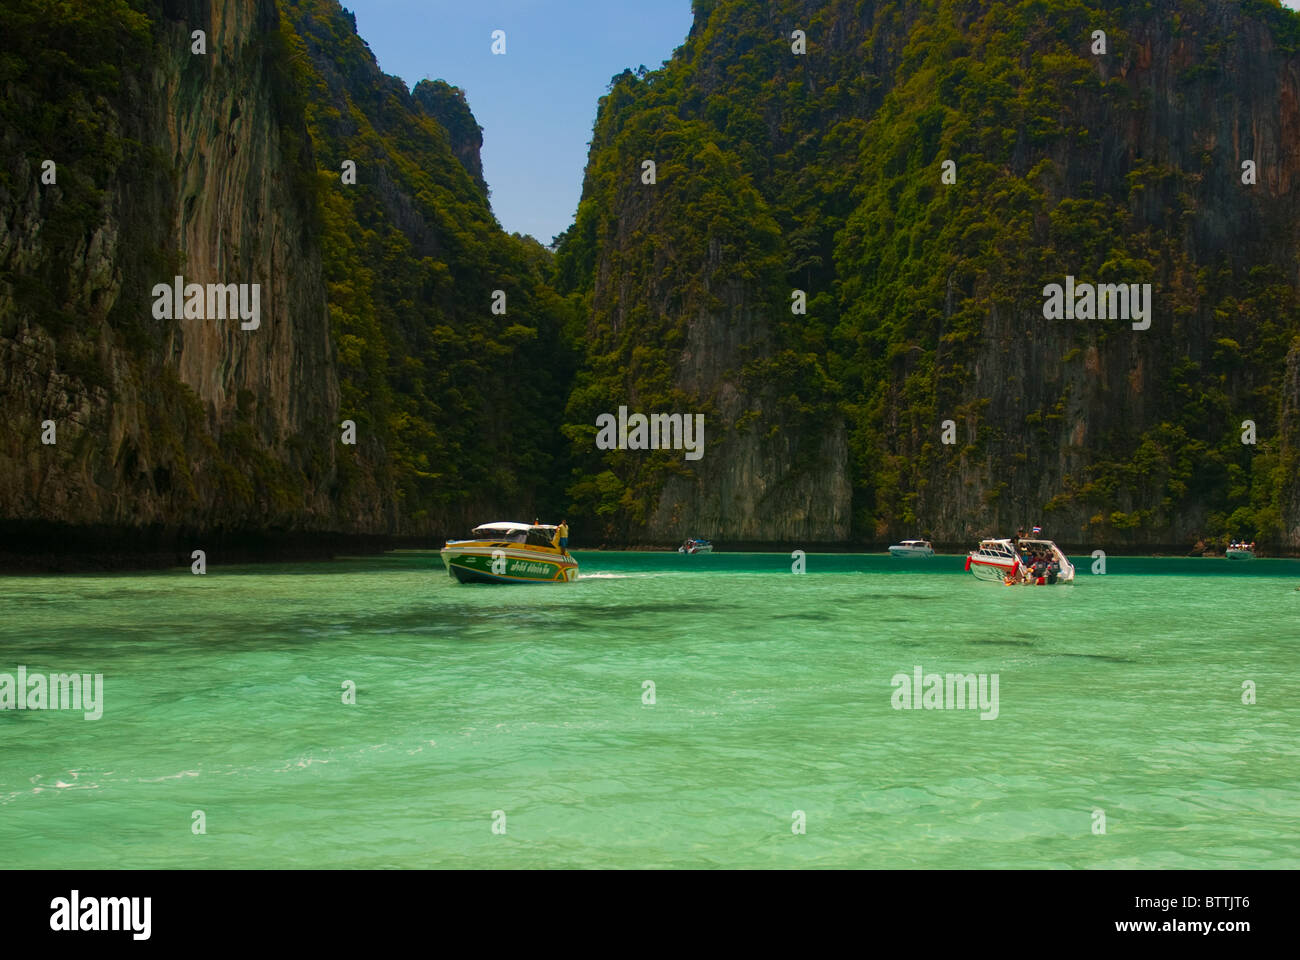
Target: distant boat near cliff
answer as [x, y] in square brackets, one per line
[696, 546]
[909, 549]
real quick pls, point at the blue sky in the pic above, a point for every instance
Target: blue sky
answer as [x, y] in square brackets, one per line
[537, 103]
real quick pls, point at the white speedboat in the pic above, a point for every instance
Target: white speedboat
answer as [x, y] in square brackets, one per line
[912, 548]
[509, 552]
[696, 546]
[997, 560]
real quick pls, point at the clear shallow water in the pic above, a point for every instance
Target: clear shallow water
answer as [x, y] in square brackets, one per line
[223, 694]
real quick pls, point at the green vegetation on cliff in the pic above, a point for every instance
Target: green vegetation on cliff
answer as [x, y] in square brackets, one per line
[775, 171]
[457, 407]
[85, 91]
[822, 172]
[62, 70]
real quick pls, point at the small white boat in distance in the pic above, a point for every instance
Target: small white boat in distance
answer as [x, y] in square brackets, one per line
[997, 560]
[912, 548]
[696, 546]
[1238, 550]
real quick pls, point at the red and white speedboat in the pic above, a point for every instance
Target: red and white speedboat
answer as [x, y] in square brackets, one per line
[996, 560]
[696, 546]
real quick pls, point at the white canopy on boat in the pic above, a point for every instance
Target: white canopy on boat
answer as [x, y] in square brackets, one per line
[510, 526]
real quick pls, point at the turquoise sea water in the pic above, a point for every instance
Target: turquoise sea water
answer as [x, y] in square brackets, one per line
[772, 694]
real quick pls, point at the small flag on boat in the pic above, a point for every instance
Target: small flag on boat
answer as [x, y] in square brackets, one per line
[1038, 529]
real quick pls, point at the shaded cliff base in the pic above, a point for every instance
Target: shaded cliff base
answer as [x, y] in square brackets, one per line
[36, 547]
[954, 548]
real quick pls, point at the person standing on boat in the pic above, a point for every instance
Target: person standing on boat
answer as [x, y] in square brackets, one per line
[563, 534]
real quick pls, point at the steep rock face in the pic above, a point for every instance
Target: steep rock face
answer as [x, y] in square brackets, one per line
[238, 218]
[822, 172]
[236, 165]
[1111, 435]
[452, 357]
[192, 167]
[776, 172]
[447, 105]
[1288, 462]
[690, 280]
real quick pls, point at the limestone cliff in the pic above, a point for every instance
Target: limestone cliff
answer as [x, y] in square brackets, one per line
[801, 146]
[1121, 437]
[241, 143]
[453, 361]
[798, 263]
[188, 164]
[447, 105]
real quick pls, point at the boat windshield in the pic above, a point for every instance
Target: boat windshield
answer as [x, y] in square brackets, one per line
[541, 535]
[1045, 545]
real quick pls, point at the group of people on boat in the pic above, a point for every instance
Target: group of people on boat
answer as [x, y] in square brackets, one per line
[1037, 565]
[1242, 545]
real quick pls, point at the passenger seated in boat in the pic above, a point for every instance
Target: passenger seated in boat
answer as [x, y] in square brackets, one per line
[1053, 571]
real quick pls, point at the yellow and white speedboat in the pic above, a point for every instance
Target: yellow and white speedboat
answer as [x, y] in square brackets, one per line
[509, 552]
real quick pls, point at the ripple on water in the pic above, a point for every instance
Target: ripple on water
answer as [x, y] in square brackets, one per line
[652, 716]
